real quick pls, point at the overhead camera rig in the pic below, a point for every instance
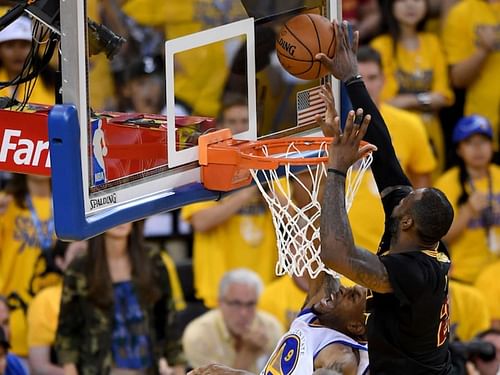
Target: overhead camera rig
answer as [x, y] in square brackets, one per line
[101, 39]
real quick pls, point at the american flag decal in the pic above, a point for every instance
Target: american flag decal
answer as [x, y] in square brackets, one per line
[309, 104]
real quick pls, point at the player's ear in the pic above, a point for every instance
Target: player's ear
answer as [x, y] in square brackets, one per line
[406, 222]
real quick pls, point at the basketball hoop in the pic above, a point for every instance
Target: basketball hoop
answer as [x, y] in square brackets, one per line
[275, 165]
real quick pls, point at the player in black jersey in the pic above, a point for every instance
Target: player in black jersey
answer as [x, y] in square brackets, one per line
[407, 308]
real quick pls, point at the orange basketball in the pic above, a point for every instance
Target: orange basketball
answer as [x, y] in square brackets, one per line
[298, 42]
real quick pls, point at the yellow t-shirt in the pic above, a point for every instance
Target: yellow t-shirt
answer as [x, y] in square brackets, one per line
[246, 239]
[468, 312]
[470, 252]
[422, 70]
[43, 315]
[283, 299]
[488, 285]
[414, 153]
[19, 250]
[200, 73]
[41, 94]
[459, 42]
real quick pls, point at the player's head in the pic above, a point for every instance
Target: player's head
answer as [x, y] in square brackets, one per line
[239, 292]
[234, 113]
[370, 67]
[343, 310]
[425, 213]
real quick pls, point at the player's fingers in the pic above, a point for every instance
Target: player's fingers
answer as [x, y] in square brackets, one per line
[363, 127]
[323, 59]
[349, 126]
[327, 129]
[355, 42]
[366, 149]
[356, 125]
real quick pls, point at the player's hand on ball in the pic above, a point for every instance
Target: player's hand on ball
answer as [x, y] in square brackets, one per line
[344, 64]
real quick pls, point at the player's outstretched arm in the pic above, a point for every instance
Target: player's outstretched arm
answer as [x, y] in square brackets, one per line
[344, 66]
[337, 244]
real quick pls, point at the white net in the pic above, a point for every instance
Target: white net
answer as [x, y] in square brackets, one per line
[297, 225]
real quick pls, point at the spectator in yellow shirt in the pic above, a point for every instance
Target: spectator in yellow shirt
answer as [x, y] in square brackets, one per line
[487, 283]
[235, 232]
[26, 229]
[469, 314]
[414, 67]
[15, 46]
[471, 40]
[412, 149]
[43, 314]
[473, 188]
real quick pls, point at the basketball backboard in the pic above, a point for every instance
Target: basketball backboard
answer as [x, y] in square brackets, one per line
[113, 167]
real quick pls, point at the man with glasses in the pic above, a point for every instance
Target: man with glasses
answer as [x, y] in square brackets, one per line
[235, 334]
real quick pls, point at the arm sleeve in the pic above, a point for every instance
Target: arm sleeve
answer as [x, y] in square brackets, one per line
[385, 167]
[408, 275]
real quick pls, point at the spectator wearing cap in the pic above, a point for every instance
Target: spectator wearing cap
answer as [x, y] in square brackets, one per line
[473, 188]
[9, 363]
[15, 48]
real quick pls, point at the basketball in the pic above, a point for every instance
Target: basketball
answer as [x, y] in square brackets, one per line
[298, 42]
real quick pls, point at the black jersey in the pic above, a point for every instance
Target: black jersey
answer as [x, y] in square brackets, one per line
[408, 329]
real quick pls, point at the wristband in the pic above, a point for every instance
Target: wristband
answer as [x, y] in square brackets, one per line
[336, 171]
[356, 78]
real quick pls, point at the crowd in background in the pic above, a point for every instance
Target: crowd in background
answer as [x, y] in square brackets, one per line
[208, 290]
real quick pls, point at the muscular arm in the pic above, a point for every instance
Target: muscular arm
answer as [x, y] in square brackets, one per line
[337, 358]
[338, 250]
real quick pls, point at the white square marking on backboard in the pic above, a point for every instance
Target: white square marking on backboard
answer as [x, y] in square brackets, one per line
[240, 28]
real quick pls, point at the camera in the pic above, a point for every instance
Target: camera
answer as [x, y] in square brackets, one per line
[462, 352]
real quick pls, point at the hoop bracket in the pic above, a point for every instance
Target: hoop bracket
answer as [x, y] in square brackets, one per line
[226, 162]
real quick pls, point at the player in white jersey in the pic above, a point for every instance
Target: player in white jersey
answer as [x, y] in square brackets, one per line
[329, 333]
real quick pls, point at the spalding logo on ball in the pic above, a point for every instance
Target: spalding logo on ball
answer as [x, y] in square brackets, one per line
[300, 40]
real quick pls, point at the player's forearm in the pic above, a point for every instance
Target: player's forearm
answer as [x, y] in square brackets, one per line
[386, 168]
[464, 73]
[337, 241]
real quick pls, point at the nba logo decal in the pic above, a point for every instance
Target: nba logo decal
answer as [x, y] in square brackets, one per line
[285, 358]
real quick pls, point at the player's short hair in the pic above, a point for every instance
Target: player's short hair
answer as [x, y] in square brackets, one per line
[433, 215]
[367, 54]
[240, 276]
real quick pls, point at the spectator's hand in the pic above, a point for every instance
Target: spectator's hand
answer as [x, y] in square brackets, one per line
[255, 340]
[344, 150]
[486, 38]
[215, 370]
[478, 201]
[344, 64]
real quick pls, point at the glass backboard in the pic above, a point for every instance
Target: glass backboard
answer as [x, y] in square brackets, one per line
[124, 143]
